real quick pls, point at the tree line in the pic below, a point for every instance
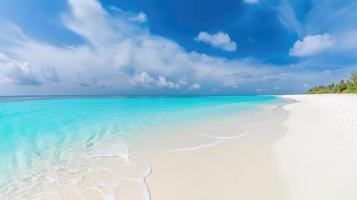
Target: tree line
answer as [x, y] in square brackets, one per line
[344, 86]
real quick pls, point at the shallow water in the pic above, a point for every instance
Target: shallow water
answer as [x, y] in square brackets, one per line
[47, 141]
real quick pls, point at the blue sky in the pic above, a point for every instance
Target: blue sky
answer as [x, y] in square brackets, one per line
[177, 47]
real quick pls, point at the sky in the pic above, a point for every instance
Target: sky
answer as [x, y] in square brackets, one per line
[176, 47]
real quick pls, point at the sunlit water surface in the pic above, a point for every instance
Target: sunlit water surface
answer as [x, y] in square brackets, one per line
[48, 131]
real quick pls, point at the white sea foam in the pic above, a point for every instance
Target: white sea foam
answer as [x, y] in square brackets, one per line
[220, 139]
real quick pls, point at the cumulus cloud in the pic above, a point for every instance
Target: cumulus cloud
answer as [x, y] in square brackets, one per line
[19, 73]
[183, 81]
[146, 80]
[218, 40]
[195, 86]
[120, 56]
[312, 45]
[251, 1]
[338, 20]
[140, 18]
[22, 75]
[142, 79]
[162, 82]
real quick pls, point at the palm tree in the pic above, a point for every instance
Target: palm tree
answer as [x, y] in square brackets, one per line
[349, 86]
[354, 78]
[341, 86]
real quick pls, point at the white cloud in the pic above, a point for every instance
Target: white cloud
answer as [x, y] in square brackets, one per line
[19, 73]
[162, 82]
[232, 82]
[288, 18]
[142, 79]
[183, 81]
[251, 1]
[219, 40]
[146, 80]
[120, 56]
[140, 18]
[117, 57]
[326, 16]
[195, 86]
[88, 19]
[312, 45]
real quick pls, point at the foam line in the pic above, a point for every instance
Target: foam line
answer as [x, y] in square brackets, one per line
[147, 189]
[198, 146]
[124, 156]
[147, 193]
[221, 139]
[246, 130]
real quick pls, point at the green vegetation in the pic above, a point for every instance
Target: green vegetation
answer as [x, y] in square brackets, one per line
[349, 86]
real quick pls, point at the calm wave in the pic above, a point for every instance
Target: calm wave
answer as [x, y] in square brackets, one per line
[47, 130]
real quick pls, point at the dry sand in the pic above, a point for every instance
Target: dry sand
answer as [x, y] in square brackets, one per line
[307, 151]
[302, 150]
[318, 155]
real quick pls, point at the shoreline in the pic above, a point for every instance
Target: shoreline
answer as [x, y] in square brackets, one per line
[302, 147]
[306, 152]
[225, 170]
[121, 168]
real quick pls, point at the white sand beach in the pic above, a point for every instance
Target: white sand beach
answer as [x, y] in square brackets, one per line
[307, 152]
[305, 149]
[318, 154]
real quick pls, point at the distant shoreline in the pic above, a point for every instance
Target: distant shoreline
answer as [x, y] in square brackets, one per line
[342, 87]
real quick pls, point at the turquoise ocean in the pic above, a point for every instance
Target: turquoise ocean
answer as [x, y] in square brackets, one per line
[35, 130]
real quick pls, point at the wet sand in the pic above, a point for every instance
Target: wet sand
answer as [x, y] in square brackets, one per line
[307, 151]
[238, 168]
[302, 149]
